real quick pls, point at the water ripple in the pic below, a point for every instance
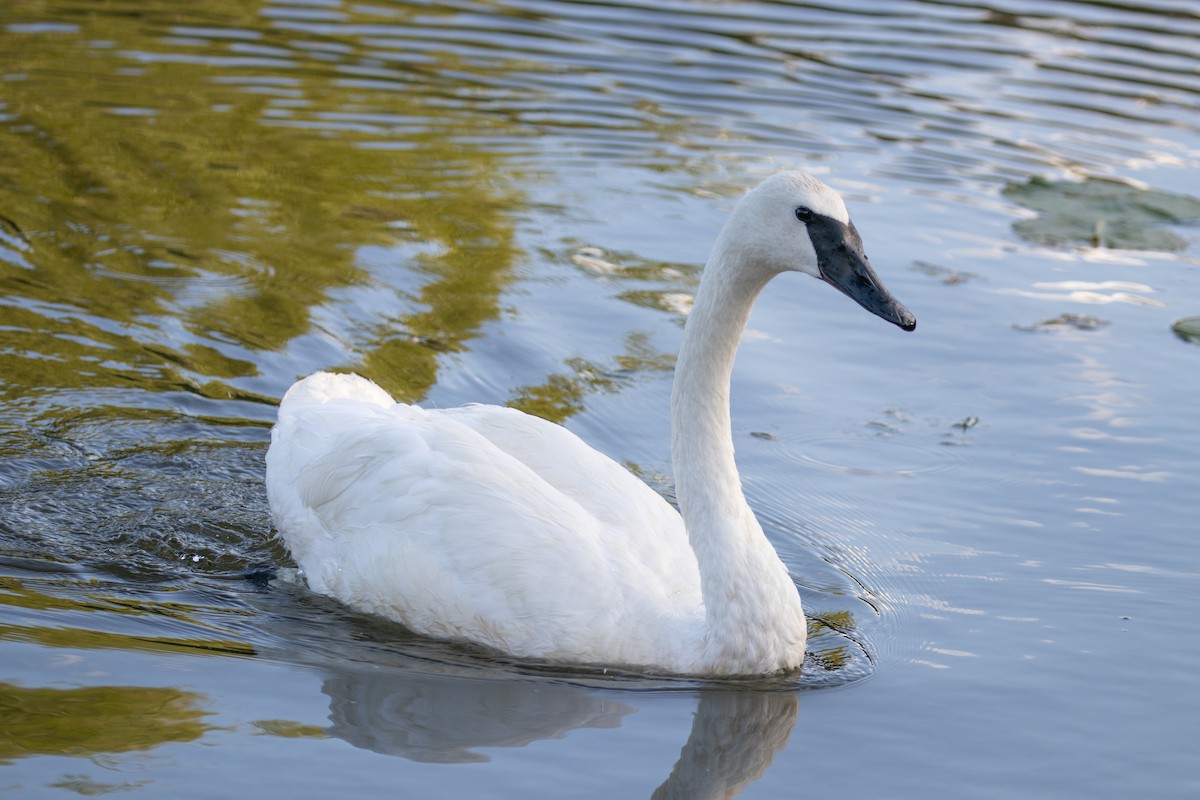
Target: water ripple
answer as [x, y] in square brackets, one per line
[960, 86]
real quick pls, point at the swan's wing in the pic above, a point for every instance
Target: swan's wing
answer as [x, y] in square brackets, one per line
[417, 516]
[605, 489]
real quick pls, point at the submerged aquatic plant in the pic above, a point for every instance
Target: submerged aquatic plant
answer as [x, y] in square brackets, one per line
[1188, 329]
[1101, 212]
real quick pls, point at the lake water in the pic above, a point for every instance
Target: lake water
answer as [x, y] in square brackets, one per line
[992, 521]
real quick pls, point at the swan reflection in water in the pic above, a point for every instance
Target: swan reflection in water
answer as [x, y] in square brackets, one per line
[444, 719]
[447, 719]
[735, 736]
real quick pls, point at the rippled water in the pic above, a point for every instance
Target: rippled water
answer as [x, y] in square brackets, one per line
[992, 520]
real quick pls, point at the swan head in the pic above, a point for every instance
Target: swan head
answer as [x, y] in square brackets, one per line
[791, 222]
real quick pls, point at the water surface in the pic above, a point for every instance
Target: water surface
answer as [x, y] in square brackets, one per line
[991, 520]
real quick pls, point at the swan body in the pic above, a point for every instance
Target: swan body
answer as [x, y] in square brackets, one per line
[488, 525]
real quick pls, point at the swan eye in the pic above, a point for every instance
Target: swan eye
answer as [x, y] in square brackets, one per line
[804, 214]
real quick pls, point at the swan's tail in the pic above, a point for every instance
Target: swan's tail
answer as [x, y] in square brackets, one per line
[323, 387]
[313, 416]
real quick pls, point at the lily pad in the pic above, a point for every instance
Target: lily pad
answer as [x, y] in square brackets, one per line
[1188, 329]
[1102, 213]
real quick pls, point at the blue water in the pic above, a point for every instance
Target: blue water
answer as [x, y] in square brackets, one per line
[991, 520]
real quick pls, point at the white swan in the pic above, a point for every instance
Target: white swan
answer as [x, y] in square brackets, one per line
[491, 526]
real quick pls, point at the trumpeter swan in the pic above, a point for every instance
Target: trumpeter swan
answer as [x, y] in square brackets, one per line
[491, 526]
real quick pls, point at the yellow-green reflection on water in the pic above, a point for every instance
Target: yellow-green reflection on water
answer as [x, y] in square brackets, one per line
[152, 178]
[563, 393]
[91, 720]
[289, 729]
[78, 614]
[85, 638]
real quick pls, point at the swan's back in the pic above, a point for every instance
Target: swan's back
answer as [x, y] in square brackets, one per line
[478, 523]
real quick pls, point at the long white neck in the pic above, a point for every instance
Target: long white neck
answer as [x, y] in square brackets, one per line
[754, 619]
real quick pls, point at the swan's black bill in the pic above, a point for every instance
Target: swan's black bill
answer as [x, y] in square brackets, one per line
[843, 265]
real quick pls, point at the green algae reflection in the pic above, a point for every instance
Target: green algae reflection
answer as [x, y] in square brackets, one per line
[91, 720]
